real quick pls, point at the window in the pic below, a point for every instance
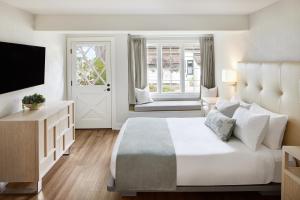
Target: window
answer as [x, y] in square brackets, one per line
[152, 68]
[90, 62]
[173, 68]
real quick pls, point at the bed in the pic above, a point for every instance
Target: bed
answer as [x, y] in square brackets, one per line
[205, 163]
[201, 156]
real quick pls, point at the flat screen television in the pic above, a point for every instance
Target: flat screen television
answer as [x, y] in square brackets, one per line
[21, 66]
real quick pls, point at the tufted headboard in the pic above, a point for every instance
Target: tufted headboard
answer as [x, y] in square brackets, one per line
[276, 87]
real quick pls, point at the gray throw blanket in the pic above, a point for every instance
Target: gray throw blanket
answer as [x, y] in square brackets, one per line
[146, 159]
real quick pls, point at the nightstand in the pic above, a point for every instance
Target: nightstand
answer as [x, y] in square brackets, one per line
[290, 186]
[209, 103]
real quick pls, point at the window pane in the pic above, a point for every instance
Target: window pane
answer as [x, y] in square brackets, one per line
[192, 69]
[90, 63]
[171, 86]
[152, 68]
[171, 69]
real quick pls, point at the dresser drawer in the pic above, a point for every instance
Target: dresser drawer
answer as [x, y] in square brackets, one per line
[60, 146]
[69, 137]
[56, 118]
[47, 162]
[64, 112]
[51, 120]
[62, 126]
[51, 135]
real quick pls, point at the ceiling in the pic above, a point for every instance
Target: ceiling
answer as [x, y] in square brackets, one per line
[100, 7]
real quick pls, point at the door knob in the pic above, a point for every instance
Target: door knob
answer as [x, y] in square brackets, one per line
[108, 85]
[108, 89]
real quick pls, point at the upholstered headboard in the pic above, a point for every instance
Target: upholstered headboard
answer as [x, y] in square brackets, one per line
[276, 87]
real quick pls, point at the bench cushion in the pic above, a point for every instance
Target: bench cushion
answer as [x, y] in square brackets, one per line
[168, 106]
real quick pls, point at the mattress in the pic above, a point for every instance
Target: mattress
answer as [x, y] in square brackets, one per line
[204, 160]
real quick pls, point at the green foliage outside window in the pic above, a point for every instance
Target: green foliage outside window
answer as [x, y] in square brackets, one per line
[87, 75]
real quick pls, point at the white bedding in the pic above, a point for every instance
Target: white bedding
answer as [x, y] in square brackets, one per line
[203, 159]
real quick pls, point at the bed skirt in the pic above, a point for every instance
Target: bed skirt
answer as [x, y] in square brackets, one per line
[271, 188]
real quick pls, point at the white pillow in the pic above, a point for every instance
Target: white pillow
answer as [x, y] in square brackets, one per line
[226, 107]
[250, 127]
[242, 103]
[276, 128]
[143, 96]
[212, 92]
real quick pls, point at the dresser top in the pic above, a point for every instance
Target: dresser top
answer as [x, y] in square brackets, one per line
[45, 111]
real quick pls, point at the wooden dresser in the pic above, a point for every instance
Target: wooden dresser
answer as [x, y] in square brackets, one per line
[290, 175]
[31, 142]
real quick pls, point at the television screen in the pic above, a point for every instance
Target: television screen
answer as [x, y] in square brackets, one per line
[22, 66]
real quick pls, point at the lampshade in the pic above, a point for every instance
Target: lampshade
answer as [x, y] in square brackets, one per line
[229, 76]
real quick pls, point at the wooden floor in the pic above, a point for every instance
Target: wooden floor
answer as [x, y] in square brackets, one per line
[83, 176]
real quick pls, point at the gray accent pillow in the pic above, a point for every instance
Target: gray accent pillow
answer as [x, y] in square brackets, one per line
[226, 107]
[220, 124]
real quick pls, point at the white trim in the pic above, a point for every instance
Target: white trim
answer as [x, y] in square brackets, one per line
[182, 61]
[113, 83]
[113, 69]
[159, 71]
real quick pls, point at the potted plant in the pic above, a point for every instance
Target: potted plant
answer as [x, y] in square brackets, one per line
[33, 102]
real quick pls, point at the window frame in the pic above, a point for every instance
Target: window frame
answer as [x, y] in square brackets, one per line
[182, 44]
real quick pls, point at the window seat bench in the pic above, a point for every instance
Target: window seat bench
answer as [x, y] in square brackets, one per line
[168, 106]
[168, 109]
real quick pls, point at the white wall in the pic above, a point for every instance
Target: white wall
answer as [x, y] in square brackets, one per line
[275, 33]
[229, 50]
[121, 72]
[16, 26]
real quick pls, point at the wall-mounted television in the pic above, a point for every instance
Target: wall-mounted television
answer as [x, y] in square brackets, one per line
[21, 66]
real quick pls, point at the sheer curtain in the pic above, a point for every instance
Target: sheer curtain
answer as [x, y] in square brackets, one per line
[137, 65]
[207, 52]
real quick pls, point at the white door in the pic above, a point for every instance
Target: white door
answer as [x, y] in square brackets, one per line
[91, 83]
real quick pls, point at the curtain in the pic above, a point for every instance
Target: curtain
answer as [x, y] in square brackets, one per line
[137, 65]
[207, 78]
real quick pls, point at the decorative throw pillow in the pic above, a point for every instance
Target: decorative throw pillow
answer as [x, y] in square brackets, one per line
[250, 127]
[212, 92]
[239, 100]
[227, 107]
[143, 96]
[220, 124]
[276, 128]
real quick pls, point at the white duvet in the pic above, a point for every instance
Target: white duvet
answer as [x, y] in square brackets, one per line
[203, 159]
